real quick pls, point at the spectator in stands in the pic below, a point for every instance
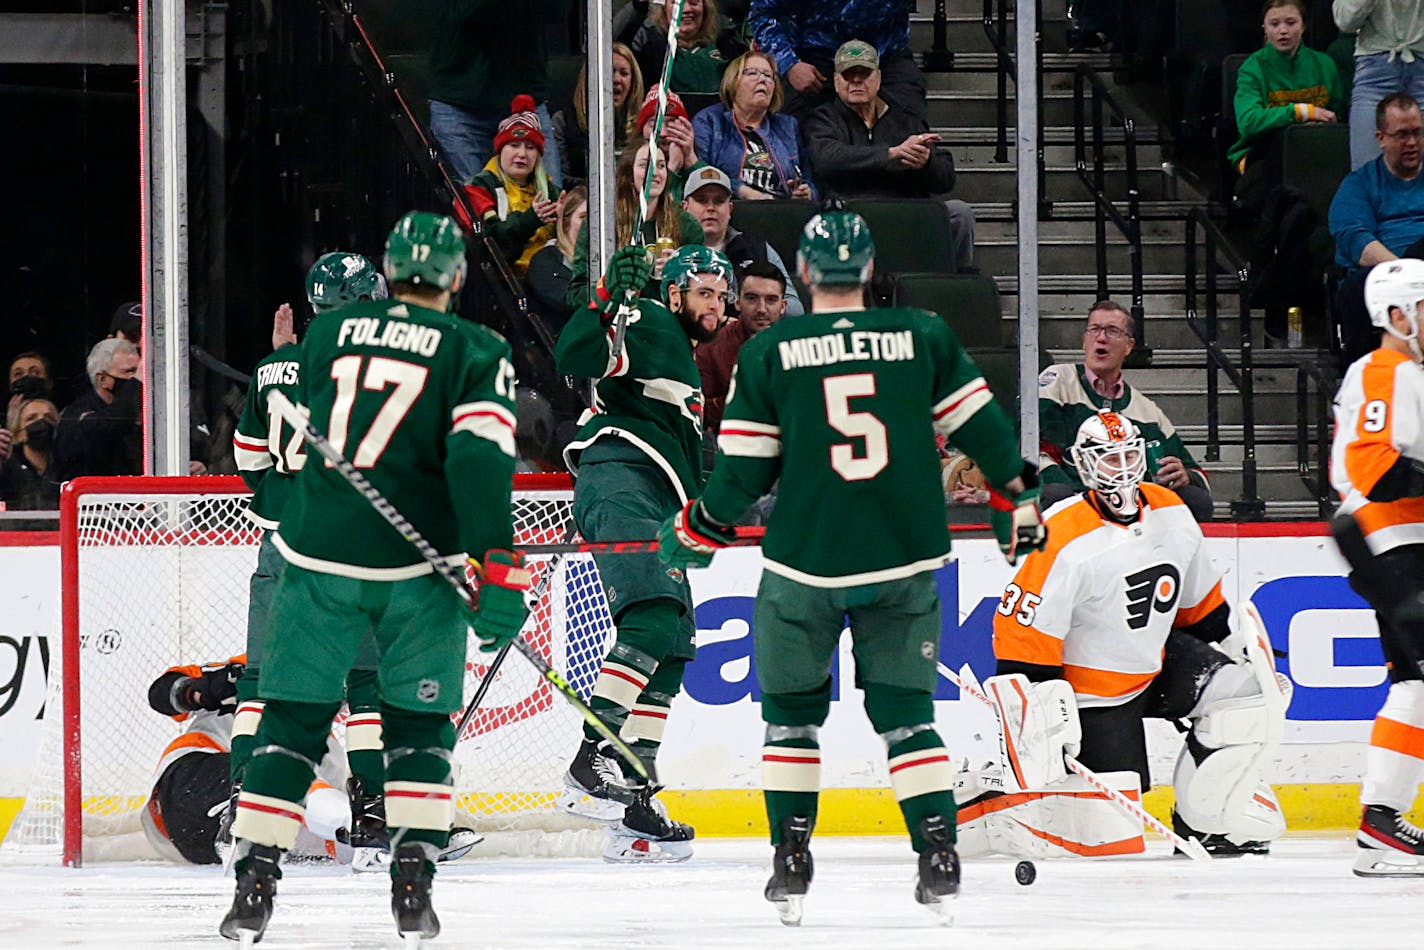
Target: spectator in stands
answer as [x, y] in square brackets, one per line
[1069, 393]
[1092, 25]
[665, 227]
[550, 271]
[706, 43]
[571, 124]
[1378, 215]
[761, 301]
[802, 37]
[99, 433]
[748, 137]
[709, 200]
[1281, 84]
[863, 146]
[127, 322]
[30, 378]
[513, 196]
[676, 138]
[25, 481]
[1389, 57]
[481, 56]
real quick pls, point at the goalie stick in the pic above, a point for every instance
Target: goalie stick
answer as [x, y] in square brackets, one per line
[1191, 847]
[284, 407]
[625, 308]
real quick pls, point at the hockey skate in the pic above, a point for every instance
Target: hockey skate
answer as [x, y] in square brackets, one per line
[410, 895]
[937, 884]
[370, 844]
[645, 834]
[251, 907]
[222, 843]
[1390, 845]
[791, 870]
[1218, 846]
[594, 787]
[461, 841]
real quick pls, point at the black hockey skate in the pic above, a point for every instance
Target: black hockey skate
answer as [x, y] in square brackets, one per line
[646, 835]
[937, 884]
[791, 869]
[370, 842]
[1218, 846]
[251, 907]
[1390, 846]
[410, 895]
[595, 787]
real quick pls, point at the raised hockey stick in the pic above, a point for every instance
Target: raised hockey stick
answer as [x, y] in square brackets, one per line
[455, 577]
[1191, 847]
[625, 308]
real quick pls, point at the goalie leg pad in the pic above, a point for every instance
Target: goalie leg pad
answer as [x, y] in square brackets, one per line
[1069, 819]
[1038, 722]
[1219, 775]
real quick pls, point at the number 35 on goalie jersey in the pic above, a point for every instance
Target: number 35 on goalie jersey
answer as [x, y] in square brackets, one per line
[1101, 599]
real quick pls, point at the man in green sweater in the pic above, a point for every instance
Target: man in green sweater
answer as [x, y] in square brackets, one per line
[1069, 393]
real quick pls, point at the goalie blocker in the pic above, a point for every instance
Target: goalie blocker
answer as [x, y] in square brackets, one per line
[1025, 804]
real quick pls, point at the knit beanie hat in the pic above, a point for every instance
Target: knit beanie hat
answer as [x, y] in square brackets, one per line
[650, 107]
[523, 124]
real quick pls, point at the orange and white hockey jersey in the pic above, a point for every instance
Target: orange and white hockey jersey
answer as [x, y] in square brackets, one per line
[1100, 600]
[1379, 416]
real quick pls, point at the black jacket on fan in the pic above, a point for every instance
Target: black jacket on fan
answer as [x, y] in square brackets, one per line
[854, 161]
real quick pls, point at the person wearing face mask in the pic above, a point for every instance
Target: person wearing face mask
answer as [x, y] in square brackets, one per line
[100, 432]
[30, 378]
[25, 482]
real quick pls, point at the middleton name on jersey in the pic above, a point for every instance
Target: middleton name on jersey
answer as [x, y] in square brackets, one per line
[852, 347]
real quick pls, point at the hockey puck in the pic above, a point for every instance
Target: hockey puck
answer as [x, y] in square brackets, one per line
[1025, 873]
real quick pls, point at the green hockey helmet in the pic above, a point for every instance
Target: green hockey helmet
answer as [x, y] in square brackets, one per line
[427, 249]
[691, 259]
[343, 277]
[835, 249]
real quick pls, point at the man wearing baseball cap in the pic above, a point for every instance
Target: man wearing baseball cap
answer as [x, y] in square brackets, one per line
[864, 146]
[707, 196]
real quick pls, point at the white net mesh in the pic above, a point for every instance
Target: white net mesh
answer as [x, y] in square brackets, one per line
[163, 579]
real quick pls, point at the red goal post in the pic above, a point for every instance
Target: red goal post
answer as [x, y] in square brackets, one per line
[154, 572]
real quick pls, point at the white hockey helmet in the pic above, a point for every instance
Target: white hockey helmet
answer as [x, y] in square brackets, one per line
[1396, 284]
[1111, 457]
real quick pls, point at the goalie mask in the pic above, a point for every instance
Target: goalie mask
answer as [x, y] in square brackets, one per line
[1111, 457]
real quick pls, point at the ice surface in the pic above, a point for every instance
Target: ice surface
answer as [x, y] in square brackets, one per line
[1303, 895]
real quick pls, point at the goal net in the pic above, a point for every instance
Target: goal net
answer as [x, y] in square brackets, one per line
[155, 573]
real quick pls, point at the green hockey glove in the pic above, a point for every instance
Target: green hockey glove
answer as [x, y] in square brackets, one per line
[1016, 520]
[499, 599]
[629, 270]
[689, 538]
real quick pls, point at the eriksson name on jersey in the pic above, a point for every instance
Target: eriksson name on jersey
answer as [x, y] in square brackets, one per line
[277, 374]
[847, 348]
[395, 335]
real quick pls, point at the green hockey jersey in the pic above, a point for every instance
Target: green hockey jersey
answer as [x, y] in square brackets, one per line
[843, 407]
[269, 452]
[650, 397]
[423, 404]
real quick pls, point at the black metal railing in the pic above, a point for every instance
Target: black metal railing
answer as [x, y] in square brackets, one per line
[996, 28]
[1090, 94]
[1214, 248]
[1315, 474]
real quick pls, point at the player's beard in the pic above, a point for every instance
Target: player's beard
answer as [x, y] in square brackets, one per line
[695, 330]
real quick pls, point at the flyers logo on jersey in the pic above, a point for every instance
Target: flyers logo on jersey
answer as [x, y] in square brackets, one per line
[1153, 589]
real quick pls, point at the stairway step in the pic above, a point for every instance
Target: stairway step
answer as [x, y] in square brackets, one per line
[1078, 209]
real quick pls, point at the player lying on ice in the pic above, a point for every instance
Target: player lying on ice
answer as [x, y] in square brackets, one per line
[1120, 619]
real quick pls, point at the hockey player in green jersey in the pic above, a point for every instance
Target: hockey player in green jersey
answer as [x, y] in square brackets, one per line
[638, 458]
[844, 404]
[423, 403]
[269, 453]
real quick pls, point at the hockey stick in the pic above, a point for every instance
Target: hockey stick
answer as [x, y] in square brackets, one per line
[455, 578]
[625, 309]
[1191, 847]
[746, 538]
[534, 597]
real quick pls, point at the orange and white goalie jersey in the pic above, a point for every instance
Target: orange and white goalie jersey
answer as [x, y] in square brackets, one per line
[1379, 416]
[1101, 599]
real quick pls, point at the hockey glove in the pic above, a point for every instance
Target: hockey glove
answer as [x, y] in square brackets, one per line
[689, 538]
[215, 690]
[629, 270]
[499, 599]
[1016, 520]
